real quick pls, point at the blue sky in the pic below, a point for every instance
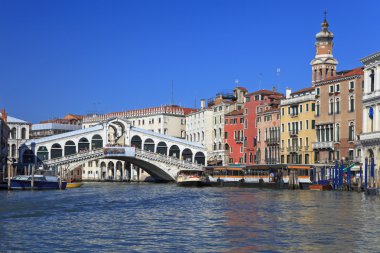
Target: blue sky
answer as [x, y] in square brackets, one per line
[73, 56]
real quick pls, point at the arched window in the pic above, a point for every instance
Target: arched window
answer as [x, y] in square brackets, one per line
[23, 133]
[317, 111]
[214, 146]
[14, 150]
[337, 133]
[331, 106]
[136, 142]
[351, 131]
[149, 145]
[220, 146]
[214, 133]
[96, 142]
[352, 104]
[337, 106]
[13, 133]
[187, 155]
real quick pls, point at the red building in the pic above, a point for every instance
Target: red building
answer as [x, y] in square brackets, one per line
[233, 136]
[252, 101]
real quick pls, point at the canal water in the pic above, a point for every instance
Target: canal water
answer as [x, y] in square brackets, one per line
[120, 217]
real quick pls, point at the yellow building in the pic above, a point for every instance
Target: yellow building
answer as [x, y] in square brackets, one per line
[298, 126]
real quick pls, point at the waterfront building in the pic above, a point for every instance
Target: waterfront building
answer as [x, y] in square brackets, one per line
[338, 116]
[251, 108]
[370, 137]
[41, 130]
[199, 127]
[223, 103]
[69, 119]
[268, 121]
[298, 126]
[18, 135]
[166, 119]
[234, 136]
[4, 134]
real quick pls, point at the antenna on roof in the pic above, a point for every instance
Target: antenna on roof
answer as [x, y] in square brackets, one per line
[172, 96]
[278, 72]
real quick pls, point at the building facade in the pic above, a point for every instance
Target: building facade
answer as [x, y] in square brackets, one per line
[234, 136]
[222, 104]
[199, 127]
[268, 121]
[47, 129]
[370, 137]
[338, 116]
[18, 135]
[251, 108]
[4, 134]
[298, 126]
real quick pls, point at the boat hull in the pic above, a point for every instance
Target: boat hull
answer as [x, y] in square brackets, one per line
[192, 184]
[38, 185]
[73, 185]
[319, 187]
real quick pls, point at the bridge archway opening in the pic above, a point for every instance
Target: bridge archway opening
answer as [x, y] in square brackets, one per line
[96, 141]
[119, 170]
[83, 145]
[56, 151]
[187, 155]
[149, 145]
[110, 169]
[200, 158]
[174, 151]
[162, 148]
[136, 142]
[103, 170]
[70, 148]
[28, 156]
[42, 154]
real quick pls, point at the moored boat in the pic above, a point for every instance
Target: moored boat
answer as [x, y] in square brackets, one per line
[191, 178]
[74, 185]
[40, 182]
[225, 176]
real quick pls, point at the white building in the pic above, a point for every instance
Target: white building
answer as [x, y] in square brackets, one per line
[18, 135]
[4, 134]
[370, 139]
[223, 103]
[199, 127]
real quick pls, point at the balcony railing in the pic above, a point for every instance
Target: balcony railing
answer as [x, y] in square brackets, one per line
[293, 132]
[272, 141]
[239, 140]
[323, 145]
[370, 136]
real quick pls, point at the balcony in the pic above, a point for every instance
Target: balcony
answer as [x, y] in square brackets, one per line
[293, 133]
[293, 149]
[239, 140]
[357, 159]
[293, 115]
[323, 145]
[271, 161]
[374, 136]
[272, 141]
[367, 97]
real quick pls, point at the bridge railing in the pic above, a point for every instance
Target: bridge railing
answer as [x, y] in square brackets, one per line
[170, 158]
[73, 156]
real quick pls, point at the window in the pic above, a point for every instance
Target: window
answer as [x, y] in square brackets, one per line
[331, 106]
[352, 85]
[337, 87]
[282, 111]
[288, 110]
[307, 107]
[337, 134]
[313, 124]
[350, 154]
[337, 106]
[300, 125]
[331, 89]
[351, 131]
[307, 142]
[300, 108]
[226, 135]
[352, 104]
[317, 91]
[313, 107]
[317, 113]
[282, 127]
[307, 124]
[372, 78]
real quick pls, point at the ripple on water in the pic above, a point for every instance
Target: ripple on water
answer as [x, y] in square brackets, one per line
[111, 217]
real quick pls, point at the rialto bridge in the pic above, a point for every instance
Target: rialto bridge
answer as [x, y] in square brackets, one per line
[160, 155]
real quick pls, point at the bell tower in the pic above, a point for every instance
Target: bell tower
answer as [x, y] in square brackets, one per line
[324, 64]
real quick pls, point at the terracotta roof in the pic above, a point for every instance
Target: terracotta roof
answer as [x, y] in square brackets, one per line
[344, 74]
[303, 90]
[235, 113]
[264, 92]
[241, 88]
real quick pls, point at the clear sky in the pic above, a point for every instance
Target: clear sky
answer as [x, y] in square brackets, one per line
[73, 56]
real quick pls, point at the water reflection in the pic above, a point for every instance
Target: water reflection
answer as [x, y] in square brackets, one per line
[105, 217]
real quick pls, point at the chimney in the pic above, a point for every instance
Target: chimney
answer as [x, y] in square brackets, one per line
[4, 115]
[202, 103]
[288, 92]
